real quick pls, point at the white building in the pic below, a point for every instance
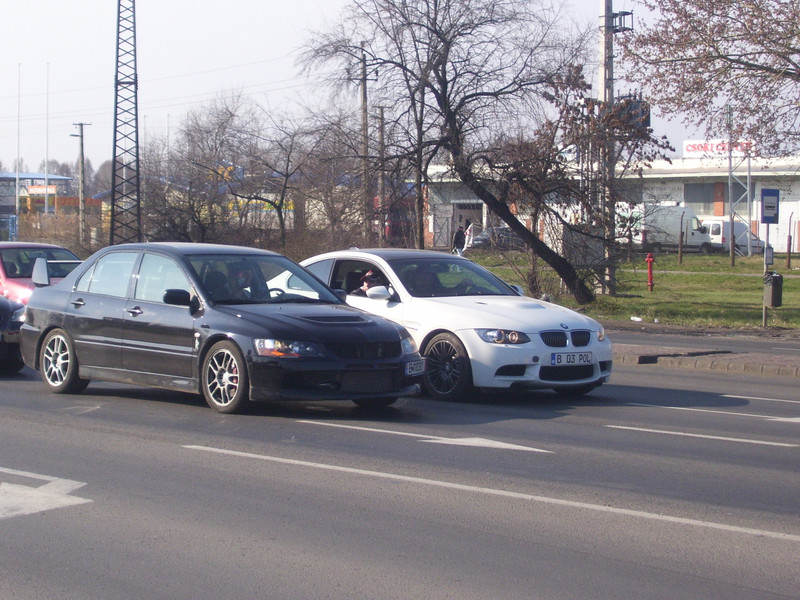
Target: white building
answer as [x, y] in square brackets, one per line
[700, 181]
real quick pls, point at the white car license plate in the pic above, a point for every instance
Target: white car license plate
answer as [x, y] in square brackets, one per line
[415, 368]
[562, 359]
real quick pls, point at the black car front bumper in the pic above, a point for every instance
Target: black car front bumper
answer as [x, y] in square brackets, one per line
[300, 379]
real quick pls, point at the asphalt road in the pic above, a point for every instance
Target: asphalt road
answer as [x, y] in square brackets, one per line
[662, 484]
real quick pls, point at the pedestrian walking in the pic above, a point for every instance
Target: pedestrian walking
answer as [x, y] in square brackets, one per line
[459, 240]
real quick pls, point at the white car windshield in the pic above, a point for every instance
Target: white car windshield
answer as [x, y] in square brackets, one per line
[447, 277]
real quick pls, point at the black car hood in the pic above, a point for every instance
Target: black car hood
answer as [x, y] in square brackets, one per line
[313, 322]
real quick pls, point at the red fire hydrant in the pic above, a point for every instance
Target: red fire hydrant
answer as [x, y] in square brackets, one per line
[649, 260]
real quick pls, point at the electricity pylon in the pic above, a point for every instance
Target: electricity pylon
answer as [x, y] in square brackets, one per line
[126, 216]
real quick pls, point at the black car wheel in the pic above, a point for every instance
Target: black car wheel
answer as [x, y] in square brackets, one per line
[448, 375]
[224, 378]
[59, 365]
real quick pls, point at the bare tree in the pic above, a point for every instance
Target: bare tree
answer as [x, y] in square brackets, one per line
[712, 60]
[474, 75]
[332, 182]
[190, 191]
[275, 155]
[391, 40]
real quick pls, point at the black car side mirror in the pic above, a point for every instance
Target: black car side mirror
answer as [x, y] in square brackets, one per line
[177, 297]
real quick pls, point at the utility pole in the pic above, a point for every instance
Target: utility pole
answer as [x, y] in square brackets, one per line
[612, 23]
[382, 172]
[81, 185]
[608, 164]
[365, 149]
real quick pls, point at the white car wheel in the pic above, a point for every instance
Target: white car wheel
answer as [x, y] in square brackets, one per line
[448, 375]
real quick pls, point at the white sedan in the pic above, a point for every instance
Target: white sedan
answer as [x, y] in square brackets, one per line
[475, 330]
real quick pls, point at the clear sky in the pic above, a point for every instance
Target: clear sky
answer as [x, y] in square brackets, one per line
[57, 65]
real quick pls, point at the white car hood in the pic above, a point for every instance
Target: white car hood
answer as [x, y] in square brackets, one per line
[506, 312]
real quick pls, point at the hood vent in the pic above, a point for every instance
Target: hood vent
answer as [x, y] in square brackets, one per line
[336, 320]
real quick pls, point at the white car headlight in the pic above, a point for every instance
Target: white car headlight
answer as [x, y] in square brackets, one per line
[601, 334]
[502, 336]
[408, 345]
[288, 348]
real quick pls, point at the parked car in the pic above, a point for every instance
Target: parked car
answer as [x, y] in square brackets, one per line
[11, 315]
[16, 265]
[232, 323]
[498, 237]
[475, 330]
[719, 228]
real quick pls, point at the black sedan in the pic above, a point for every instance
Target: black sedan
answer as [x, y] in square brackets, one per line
[235, 324]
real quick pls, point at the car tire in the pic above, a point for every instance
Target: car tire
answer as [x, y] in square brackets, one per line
[374, 403]
[224, 379]
[448, 375]
[59, 364]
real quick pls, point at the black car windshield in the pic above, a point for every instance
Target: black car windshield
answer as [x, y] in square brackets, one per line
[447, 276]
[257, 279]
[18, 262]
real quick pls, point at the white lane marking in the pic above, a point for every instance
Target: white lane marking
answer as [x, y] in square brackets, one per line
[476, 442]
[705, 437]
[760, 398]
[507, 494]
[17, 500]
[721, 412]
[433, 439]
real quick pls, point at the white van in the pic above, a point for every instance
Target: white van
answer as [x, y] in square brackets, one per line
[719, 229]
[657, 227]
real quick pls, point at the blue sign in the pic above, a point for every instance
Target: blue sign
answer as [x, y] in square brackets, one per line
[769, 206]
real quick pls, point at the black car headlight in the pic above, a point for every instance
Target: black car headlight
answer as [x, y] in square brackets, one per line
[19, 315]
[408, 345]
[288, 348]
[503, 336]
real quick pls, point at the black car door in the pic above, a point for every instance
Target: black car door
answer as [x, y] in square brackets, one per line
[96, 309]
[158, 338]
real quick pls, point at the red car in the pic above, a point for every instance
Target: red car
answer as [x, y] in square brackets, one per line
[16, 264]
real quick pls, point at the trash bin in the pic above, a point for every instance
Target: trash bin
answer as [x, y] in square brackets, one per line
[773, 289]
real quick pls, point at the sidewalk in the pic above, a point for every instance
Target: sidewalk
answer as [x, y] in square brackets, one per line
[709, 359]
[772, 365]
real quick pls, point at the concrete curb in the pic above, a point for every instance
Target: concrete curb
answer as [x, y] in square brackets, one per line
[771, 365]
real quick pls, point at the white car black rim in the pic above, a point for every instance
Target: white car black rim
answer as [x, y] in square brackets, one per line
[448, 372]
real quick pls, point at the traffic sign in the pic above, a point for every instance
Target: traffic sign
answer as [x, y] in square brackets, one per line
[769, 206]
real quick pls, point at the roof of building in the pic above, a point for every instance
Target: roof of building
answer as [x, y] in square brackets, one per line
[12, 175]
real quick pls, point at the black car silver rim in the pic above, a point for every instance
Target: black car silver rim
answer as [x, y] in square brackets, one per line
[222, 377]
[445, 368]
[56, 359]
